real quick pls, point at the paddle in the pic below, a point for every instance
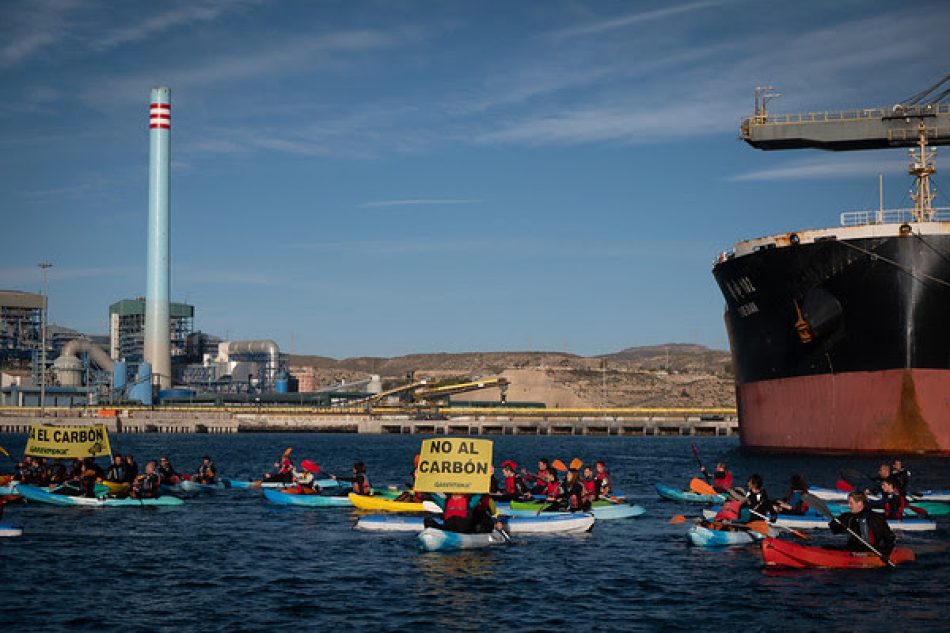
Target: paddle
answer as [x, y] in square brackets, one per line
[735, 494]
[843, 486]
[700, 487]
[576, 463]
[698, 460]
[10, 457]
[820, 505]
[559, 466]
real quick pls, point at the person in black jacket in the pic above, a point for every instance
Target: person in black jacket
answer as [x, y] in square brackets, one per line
[757, 499]
[871, 527]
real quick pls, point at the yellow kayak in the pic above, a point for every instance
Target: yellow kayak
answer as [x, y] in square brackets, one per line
[115, 487]
[368, 502]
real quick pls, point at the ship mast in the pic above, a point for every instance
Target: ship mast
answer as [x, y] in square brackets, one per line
[921, 168]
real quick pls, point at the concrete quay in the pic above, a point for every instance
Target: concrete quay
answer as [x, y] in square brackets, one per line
[546, 422]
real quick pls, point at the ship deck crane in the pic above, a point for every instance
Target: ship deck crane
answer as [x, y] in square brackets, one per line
[919, 121]
[845, 130]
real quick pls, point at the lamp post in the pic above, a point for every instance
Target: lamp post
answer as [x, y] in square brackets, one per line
[45, 266]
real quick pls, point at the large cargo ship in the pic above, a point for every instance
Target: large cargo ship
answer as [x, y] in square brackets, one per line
[840, 336]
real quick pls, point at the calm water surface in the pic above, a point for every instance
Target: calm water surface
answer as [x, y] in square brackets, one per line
[233, 562]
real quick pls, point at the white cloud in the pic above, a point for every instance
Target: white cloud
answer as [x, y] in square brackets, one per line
[633, 19]
[831, 166]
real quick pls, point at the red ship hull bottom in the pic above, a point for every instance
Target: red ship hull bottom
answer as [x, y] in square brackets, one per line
[892, 411]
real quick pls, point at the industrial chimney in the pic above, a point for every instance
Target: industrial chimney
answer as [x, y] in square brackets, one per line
[157, 334]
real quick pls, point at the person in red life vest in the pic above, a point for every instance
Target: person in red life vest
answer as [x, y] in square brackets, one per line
[721, 477]
[589, 483]
[463, 513]
[794, 501]
[539, 481]
[284, 471]
[892, 501]
[360, 479]
[571, 495]
[513, 487]
[870, 526]
[605, 483]
[730, 510]
[305, 485]
[552, 489]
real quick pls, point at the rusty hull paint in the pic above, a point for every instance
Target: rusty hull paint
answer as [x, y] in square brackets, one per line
[891, 411]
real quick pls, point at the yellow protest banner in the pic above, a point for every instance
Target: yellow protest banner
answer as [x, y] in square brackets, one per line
[460, 465]
[68, 441]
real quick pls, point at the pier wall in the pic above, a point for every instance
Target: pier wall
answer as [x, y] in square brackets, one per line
[543, 422]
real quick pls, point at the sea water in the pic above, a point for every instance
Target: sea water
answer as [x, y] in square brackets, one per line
[231, 561]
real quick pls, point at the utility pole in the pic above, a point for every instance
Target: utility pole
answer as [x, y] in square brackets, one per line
[45, 266]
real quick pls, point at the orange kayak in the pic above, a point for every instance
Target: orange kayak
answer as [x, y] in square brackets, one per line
[778, 553]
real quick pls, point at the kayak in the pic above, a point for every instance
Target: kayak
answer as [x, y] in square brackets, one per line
[116, 487]
[932, 508]
[778, 553]
[602, 510]
[675, 494]
[372, 502]
[10, 530]
[435, 540]
[322, 483]
[40, 495]
[833, 494]
[9, 489]
[187, 485]
[544, 524]
[313, 501]
[817, 521]
[701, 536]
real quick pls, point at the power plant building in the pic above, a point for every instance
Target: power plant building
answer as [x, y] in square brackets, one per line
[127, 329]
[21, 323]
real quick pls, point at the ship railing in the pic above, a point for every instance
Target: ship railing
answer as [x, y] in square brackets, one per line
[845, 115]
[889, 216]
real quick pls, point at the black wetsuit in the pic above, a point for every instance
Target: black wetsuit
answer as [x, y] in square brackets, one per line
[116, 473]
[870, 526]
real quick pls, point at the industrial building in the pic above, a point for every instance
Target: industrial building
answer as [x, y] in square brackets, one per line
[127, 329]
[21, 322]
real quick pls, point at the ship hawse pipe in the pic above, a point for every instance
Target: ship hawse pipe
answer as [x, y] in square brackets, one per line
[157, 335]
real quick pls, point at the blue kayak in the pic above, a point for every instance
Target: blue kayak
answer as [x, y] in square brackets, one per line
[434, 540]
[702, 536]
[812, 521]
[313, 501]
[688, 496]
[41, 495]
[10, 530]
[321, 483]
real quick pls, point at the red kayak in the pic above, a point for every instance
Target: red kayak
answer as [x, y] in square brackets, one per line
[778, 553]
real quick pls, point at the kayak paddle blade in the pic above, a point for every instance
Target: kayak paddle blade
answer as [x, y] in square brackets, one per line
[699, 486]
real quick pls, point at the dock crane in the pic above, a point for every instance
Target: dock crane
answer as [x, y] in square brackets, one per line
[423, 393]
[918, 121]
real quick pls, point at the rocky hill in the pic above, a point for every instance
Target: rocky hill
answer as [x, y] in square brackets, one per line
[656, 376]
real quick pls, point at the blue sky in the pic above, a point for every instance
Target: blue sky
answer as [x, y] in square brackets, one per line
[381, 178]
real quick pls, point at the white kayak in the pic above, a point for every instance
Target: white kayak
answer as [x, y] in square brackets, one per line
[544, 524]
[816, 521]
[434, 540]
[833, 494]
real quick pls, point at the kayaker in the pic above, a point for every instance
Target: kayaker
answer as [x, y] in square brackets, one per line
[900, 476]
[572, 497]
[23, 472]
[91, 473]
[206, 471]
[552, 489]
[131, 468]
[56, 472]
[589, 483]
[883, 474]
[147, 485]
[514, 488]
[305, 485]
[756, 504]
[538, 481]
[721, 477]
[605, 483]
[793, 502]
[870, 526]
[360, 480]
[116, 472]
[75, 470]
[460, 513]
[892, 501]
[284, 470]
[166, 472]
